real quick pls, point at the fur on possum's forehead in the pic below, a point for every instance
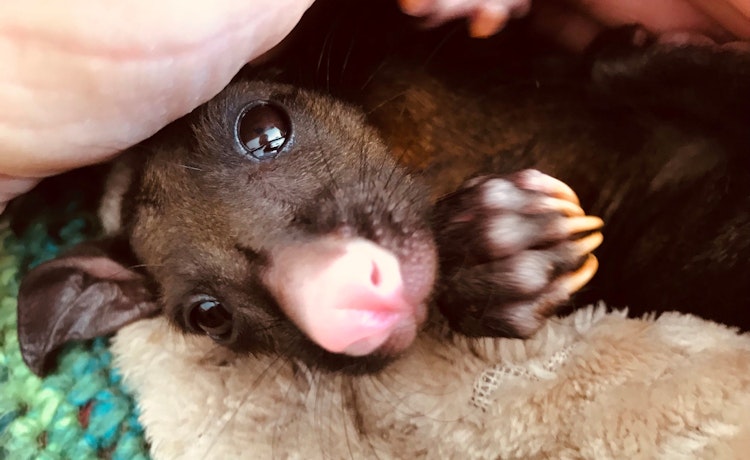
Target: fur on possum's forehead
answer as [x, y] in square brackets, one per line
[199, 215]
[202, 189]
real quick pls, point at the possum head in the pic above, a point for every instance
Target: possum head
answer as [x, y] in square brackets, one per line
[278, 222]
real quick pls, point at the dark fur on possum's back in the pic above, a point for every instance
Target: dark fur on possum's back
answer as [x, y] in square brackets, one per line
[671, 184]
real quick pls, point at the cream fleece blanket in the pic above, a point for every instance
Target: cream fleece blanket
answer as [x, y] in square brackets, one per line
[593, 385]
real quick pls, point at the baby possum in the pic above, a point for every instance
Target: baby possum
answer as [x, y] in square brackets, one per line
[281, 223]
[276, 219]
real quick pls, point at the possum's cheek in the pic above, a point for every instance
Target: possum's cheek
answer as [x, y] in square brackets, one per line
[352, 296]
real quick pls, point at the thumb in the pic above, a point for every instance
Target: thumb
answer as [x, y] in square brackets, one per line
[82, 80]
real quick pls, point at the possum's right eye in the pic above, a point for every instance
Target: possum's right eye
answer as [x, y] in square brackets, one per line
[263, 129]
[210, 316]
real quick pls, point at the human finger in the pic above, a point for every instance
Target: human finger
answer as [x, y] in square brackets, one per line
[82, 80]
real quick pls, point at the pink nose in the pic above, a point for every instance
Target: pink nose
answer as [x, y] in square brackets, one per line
[368, 268]
[346, 295]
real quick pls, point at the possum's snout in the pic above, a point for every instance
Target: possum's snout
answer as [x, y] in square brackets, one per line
[351, 295]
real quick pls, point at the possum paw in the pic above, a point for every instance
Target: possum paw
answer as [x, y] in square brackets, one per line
[512, 250]
[486, 17]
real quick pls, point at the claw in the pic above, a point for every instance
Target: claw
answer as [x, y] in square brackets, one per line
[578, 279]
[534, 180]
[550, 204]
[588, 243]
[582, 224]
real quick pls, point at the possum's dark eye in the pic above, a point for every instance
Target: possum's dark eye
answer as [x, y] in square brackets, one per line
[210, 316]
[263, 128]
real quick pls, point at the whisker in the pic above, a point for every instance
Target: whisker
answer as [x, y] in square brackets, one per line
[354, 391]
[381, 104]
[322, 52]
[344, 413]
[328, 61]
[144, 266]
[386, 381]
[346, 61]
[372, 75]
[326, 164]
[442, 43]
[265, 330]
[361, 173]
[395, 166]
[281, 431]
[193, 168]
[405, 197]
[279, 359]
[321, 419]
[335, 186]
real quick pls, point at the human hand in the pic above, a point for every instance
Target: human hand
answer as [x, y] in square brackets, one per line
[82, 80]
[574, 23]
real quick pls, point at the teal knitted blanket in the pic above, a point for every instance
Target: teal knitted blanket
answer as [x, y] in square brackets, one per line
[81, 411]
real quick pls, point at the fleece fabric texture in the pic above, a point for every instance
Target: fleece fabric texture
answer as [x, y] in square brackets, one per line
[81, 411]
[594, 385]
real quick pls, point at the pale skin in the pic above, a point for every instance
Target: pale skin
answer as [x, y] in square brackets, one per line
[82, 80]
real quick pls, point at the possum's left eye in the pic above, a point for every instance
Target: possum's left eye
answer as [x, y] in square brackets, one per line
[263, 129]
[210, 316]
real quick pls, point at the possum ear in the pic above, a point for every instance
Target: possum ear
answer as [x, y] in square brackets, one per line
[85, 293]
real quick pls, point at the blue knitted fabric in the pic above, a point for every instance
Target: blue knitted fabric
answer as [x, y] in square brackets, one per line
[81, 411]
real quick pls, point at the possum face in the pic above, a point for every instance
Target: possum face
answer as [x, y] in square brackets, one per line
[281, 223]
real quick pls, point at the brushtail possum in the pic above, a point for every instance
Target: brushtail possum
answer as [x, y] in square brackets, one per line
[331, 230]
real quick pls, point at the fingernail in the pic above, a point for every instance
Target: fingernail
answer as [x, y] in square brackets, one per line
[414, 7]
[488, 21]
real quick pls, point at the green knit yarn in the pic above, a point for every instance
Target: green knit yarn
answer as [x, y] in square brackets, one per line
[82, 410]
